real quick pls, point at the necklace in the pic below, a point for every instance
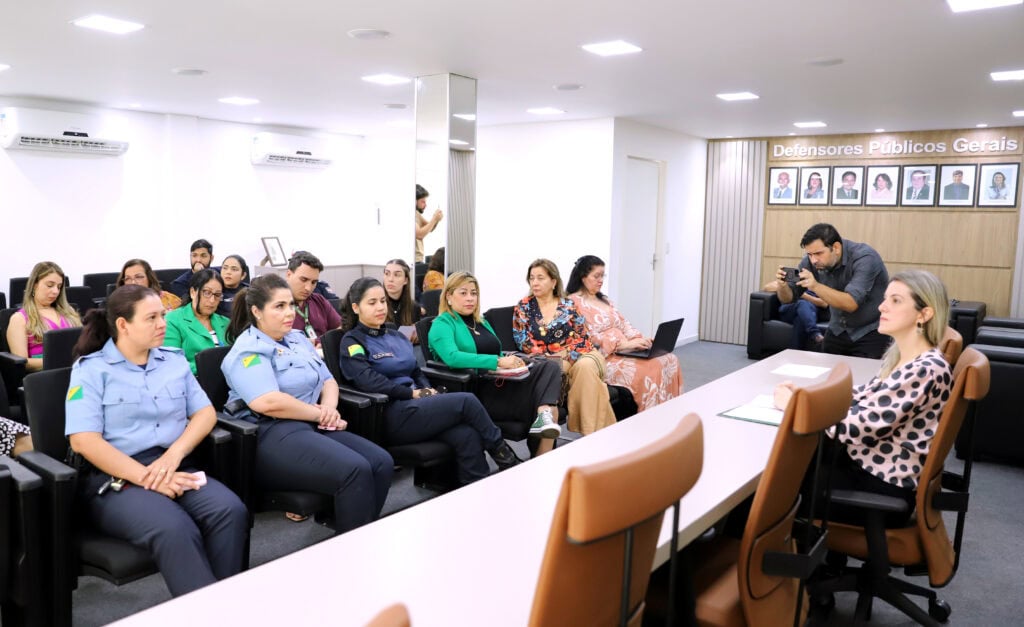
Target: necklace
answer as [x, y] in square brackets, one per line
[471, 328]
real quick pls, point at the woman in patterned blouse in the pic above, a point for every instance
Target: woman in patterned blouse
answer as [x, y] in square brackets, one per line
[545, 323]
[885, 437]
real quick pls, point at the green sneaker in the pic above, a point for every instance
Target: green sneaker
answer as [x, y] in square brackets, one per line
[545, 425]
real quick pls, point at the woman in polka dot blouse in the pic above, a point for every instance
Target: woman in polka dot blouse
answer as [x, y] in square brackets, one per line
[886, 435]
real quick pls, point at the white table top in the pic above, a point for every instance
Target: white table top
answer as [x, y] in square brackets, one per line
[454, 560]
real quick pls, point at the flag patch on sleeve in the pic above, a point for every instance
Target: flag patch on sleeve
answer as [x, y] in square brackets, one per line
[75, 393]
[355, 349]
[250, 360]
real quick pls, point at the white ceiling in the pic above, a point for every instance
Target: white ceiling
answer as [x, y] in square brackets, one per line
[909, 64]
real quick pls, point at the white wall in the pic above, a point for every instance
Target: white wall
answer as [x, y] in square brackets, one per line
[685, 166]
[543, 190]
[184, 178]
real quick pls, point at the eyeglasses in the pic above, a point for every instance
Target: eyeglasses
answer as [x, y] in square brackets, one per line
[214, 295]
[137, 279]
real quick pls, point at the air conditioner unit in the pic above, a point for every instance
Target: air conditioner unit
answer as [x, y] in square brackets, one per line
[56, 131]
[289, 150]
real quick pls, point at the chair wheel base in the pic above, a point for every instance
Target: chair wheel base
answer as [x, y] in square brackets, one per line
[939, 610]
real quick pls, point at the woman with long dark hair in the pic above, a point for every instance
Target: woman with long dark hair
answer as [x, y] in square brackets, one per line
[136, 413]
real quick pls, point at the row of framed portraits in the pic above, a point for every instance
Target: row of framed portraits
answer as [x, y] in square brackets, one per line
[954, 185]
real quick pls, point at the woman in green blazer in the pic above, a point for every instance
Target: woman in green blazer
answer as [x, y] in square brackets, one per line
[196, 325]
[461, 338]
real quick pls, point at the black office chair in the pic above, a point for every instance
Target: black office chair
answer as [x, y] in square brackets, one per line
[433, 462]
[419, 271]
[431, 301]
[76, 547]
[16, 290]
[167, 275]
[97, 282]
[80, 298]
[57, 347]
[12, 369]
[22, 560]
[3, 300]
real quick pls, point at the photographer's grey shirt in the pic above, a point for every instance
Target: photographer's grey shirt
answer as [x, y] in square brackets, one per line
[861, 274]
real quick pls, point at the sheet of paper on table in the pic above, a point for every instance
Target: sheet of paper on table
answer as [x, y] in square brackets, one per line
[799, 370]
[761, 409]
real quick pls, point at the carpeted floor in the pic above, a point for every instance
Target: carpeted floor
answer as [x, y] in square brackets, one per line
[985, 591]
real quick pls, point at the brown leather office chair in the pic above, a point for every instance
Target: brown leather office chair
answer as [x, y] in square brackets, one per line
[923, 546]
[608, 514]
[951, 345]
[392, 616]
[731, 583]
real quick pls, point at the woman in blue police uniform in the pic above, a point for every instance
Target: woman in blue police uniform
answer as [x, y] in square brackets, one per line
[278, 382]
[378, 359]
[135, 413]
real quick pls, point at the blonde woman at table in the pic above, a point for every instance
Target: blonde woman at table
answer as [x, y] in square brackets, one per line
[884, 439]
[651, 381]
[546, 324]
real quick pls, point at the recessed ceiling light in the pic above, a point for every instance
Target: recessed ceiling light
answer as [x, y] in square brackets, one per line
[982, 125]
[458, 142]
[4, 66]
[394, 105]
[368, 33]
[1011, 75]
[108, 24]
[825, 61]
[567, 87]
[469, 117]
[188, 71]
[961, 6]
[1018, 114]
[792, 133]
[238, 100]
[879, 130]
[809, 124]
[611, 48]
[545, 111]
[738, 95]
[386, 79]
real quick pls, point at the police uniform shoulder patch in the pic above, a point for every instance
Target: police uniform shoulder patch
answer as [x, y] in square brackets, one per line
[251, 360]
[74, 393]
[356, 349]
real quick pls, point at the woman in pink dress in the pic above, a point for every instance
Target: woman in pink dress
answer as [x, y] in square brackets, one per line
[652, 381]
[45, 308]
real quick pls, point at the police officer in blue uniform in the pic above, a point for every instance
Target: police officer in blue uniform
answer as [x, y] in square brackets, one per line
[378, 359]
[279, 382]
[135, 413]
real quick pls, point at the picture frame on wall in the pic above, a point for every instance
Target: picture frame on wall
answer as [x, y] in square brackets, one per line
[782, 186]
[997, 184]
[956, 185]
[814, 182]
[918, 186]
[882, 185]
[848, 185]
[275, 252]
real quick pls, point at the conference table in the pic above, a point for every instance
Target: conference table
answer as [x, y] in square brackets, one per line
[472, 556]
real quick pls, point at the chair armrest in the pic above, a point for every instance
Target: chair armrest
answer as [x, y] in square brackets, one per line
[241, 464]
[376, 398]
[364, 412]
[216, 455]
[797, 565]
[869, 500]
[354, 401]
[12, 371]
[453, 380]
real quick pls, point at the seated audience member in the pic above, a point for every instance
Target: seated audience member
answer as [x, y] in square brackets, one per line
[235, 273]
[136, 413]
[884, 439]
[15, 438]
[546, 323]
[378, 359]
[403, 311]
[315, 316]
[139, 272]
[651, 381]
[196, 325]
[461, 338]
[279, 382]
[44, 307]
[434, 278]
[322, 288]
[803, 315]
[200, 258]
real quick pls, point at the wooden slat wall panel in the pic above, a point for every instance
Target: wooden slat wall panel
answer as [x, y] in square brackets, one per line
[734, 214]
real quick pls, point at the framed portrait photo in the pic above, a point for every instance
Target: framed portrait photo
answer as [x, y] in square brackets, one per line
[918, 186]
[956, 185]
[782, 184]
[997, 184]
[882, 185]
[848, 185]
[814, 185]
[275, 252]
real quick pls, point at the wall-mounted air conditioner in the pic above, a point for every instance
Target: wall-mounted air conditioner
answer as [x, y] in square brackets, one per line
[289, 150]
[55, 131]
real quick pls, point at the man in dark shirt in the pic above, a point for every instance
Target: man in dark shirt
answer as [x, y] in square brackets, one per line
[200, 258]
[314, 315]
[851, 278]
